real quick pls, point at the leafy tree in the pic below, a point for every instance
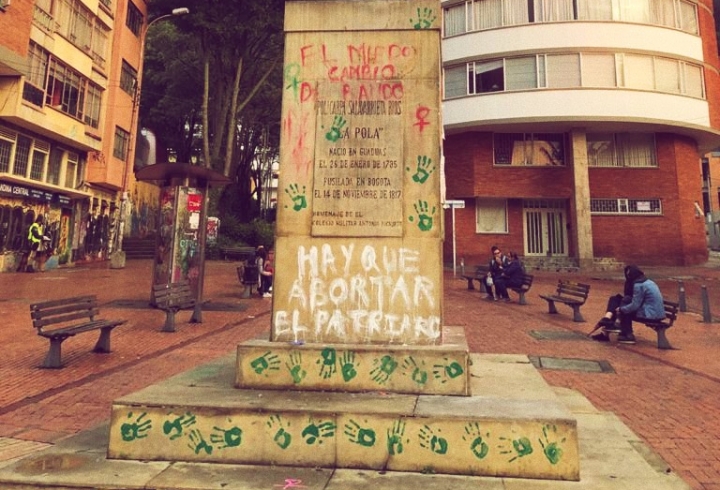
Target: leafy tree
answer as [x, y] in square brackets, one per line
[214, 88]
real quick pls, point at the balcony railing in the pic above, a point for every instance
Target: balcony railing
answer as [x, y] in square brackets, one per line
[43, 19]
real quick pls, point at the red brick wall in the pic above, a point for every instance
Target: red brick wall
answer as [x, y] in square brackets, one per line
[15, 26]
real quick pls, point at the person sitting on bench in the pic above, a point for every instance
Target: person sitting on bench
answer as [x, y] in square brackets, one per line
[498, 262]
[510, 277]
[642, 300]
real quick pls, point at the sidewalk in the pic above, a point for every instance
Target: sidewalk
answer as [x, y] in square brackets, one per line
[668, 398]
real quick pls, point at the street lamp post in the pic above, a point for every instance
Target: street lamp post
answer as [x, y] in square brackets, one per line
[117, 258]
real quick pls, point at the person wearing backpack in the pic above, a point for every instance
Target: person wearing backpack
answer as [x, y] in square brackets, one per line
[35, 243]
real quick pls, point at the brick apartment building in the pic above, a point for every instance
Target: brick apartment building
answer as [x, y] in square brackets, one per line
[68, 81]
[575, 129]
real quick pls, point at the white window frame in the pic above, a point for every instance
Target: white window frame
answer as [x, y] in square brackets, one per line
[491, 215]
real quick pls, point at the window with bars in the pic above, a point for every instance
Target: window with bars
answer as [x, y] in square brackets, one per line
[55, 165]
[651, 206]
[540, 149]
[134, 19]
[5, 152]
[121, 144]
[563, 70]
[39, 160]
[128, 78]
[477, 15]
[22, 155]
[621, 150]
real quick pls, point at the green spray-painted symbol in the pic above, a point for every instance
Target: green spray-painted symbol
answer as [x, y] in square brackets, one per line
[517, 448]
[316, 432]
[384, 367]
[429, 440]
[478, 440]
[423, 170]
[347, 366]
[137, 429]
[328, 362]
[335, 132]
[552, 451]
[282, 437]
[395, 438]
[294, 365]
[231, 437]
[297, 196]
[362, 436]
[266, 362]
[198, 443]
[424, 215]
[447, 371]
[174, 428]
[417, 373]
[425, 18]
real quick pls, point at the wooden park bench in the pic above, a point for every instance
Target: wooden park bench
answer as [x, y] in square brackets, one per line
[479, 276]
[248, 277]
[671, 311]
[61, 316]
[172, 298]
[573, 294]
[237, 253]
[523, 288]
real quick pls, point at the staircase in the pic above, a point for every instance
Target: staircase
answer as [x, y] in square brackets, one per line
[139, 248]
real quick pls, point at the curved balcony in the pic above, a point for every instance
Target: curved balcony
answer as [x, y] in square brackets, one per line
[596, 110]
[576, 35]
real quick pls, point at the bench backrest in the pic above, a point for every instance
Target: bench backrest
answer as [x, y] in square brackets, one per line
[173, 293]
[573, 289]
[62, 311]
[481, 270]
[527, 281]
[671, 310]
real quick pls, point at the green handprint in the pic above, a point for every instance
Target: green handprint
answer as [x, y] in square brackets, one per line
[447, 371]
[335, 132]
[294, 365]
[348, 365]
[329, 361]
[359, 435]
[418, 375]
[135, 430]
[395, 438]
[227, 437]
[423, 170]
[198, 443]
[384, 367]
[425, 19]
[429, 440]
[425, 220]
[478, 446]
[552, 452]
[297, 196]
[266, 362]
[317, 432]
[282, 437]
[520, 447]
[177, 425]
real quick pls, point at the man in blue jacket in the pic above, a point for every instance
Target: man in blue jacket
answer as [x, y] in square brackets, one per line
[646, 303]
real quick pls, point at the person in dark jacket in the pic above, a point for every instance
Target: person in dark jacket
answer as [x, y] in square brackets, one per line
[497, 264]
[641, 300]
[511, 276]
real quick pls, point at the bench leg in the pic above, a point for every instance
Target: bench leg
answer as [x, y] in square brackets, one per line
[521, 298]
[169, 321]
[103, 343]
[551, 307]
[197, 314]
[471, 287]
[577, 316]
[663, 342]
[52, 359]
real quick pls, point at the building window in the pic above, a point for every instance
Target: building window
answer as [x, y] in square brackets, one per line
[491, 215]
[94, 102]
[593, 70]
[537, 149]
[53, 175]
[71, 169]
[99, 44]
[7, 140]
[477, 15]
[134, 19]
[621, 150]
[34, 86]
[626, 206]
[22, 155]
[122, 142]
[128, 78]
[75, 23]
[65, 89]
[39, 160]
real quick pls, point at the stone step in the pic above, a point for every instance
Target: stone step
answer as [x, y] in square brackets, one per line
[428, 369]
[201, 417]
